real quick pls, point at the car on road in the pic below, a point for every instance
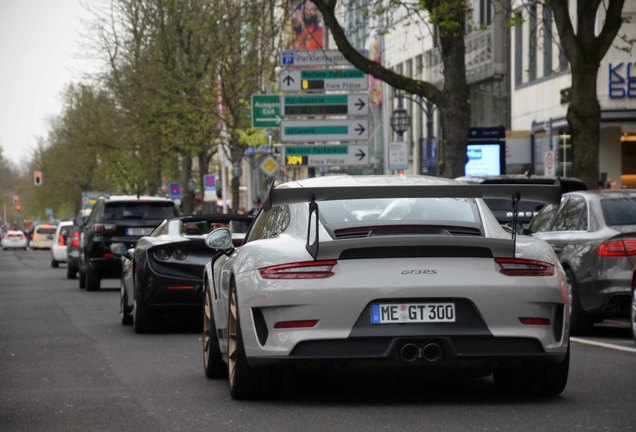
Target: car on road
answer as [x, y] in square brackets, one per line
[43, 236]
[163, 274]
[432, 282]
[14, 239]
[593, 234]
[117, 219]
[502, 207]
[60, 241]
[73, 244]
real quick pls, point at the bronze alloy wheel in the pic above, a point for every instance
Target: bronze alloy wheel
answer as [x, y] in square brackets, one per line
[231, 340]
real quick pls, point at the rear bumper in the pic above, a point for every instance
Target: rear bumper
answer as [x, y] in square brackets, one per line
[455, 351]
[162, 291]
[106, 267]
[606, 297]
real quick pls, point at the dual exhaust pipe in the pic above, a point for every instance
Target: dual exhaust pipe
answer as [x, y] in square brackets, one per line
[411, 352]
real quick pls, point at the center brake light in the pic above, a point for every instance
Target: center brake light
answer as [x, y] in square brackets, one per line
[524, 267]
[301, 270]
[617, 248]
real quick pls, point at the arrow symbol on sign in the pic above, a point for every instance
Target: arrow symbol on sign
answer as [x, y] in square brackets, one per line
[360, 129]
[361, 154]
[360, 104]
[288, 80]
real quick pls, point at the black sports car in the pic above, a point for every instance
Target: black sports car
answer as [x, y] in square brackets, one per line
[164, 272]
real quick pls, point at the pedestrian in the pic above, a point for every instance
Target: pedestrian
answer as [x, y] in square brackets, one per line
[601, 185]
[255, 208]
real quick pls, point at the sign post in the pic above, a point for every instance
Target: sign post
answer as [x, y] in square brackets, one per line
[209, 188]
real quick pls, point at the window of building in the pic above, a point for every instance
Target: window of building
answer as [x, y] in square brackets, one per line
[485, 13]
[532, 43]
[547, 41]
[519, 52]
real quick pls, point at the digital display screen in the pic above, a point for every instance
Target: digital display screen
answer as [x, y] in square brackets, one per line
[294, 160]
[483, 160]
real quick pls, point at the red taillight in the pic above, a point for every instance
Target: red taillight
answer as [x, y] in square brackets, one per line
[180, 287]
[295, 324]
[6, 237]
[108, 255]
[524, 267]
[61, 241]
[75, 243]
[301, 270]
[35, 237]
[98, 228]
[617, 248]
[535, 321]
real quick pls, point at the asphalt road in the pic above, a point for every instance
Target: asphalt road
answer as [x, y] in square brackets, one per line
[67, 364]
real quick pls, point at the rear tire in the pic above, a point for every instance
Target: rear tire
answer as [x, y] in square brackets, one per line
[71, 272]
[55, 264]
[82, 279]
[142, 321]
[125, 311]
[245, 382]
[581, 323]
[213, 364]
[545, 379]
[93, 280]
[633, 315]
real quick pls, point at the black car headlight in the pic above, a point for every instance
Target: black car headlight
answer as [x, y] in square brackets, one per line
[180, 252]
[162, 253]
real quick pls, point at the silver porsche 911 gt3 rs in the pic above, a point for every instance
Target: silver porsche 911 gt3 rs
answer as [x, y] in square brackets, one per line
[395, 270]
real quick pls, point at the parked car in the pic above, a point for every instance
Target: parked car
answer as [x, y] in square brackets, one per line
[14, 240]
[43, 236]
[633, 314]
[73, 244]
[594, 236]
[433, 281]
[117, 219]
[164, 272]
[58, 248]
[502, 207]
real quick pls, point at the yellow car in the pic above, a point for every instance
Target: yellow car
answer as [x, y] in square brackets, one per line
[43, 236]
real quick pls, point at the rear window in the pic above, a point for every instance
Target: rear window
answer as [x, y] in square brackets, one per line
[392, 209]
[46, 230]
[139, 210]
[15, 234]
[195, 228]
[619, 211]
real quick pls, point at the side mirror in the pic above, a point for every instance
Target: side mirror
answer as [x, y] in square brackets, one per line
[221, 240]
[119, 249]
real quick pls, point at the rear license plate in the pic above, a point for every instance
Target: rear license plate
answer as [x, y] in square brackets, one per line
[138, 231]
[412, 313]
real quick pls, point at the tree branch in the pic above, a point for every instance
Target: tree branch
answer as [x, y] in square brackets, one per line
[613, 22]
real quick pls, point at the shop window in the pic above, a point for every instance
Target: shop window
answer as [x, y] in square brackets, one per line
[565, 155]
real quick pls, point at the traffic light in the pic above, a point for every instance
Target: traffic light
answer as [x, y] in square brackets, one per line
[15, 199]
[18, 208]
[37, 178]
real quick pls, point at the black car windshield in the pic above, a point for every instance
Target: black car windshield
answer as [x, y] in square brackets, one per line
[139, 210]
[619, 211]
[194, 228]
[392, 209]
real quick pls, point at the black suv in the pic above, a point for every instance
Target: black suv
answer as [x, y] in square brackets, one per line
[117, 219]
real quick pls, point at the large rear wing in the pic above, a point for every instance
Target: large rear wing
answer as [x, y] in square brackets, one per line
[549, 194]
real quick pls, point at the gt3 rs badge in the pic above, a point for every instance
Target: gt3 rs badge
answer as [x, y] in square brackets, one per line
[416, 272]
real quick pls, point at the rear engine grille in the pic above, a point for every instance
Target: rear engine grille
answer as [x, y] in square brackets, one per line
[363, 232]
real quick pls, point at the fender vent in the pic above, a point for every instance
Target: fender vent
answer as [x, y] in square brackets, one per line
[262, 333]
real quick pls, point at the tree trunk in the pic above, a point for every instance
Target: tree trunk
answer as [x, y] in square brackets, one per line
[187, 197]
[455, 107]
[584, 118]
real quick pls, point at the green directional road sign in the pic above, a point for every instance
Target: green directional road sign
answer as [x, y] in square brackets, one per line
[324, 130]
[323, 79]
[265, 111]
[325, 155]
[321, 104]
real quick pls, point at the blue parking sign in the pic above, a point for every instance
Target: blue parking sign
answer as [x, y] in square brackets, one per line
[175, 191]
[287, 58]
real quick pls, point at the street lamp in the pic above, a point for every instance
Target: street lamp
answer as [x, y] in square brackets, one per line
[400, 120]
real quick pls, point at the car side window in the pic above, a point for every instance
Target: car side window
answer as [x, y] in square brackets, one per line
[96, 210]
[570, 214]
[543, 221]
[270, 224]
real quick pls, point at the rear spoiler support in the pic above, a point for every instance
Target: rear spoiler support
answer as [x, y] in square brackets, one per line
[312, 246]
[515, 205]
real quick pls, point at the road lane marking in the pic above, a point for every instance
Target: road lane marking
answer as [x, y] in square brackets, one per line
[602, 344]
